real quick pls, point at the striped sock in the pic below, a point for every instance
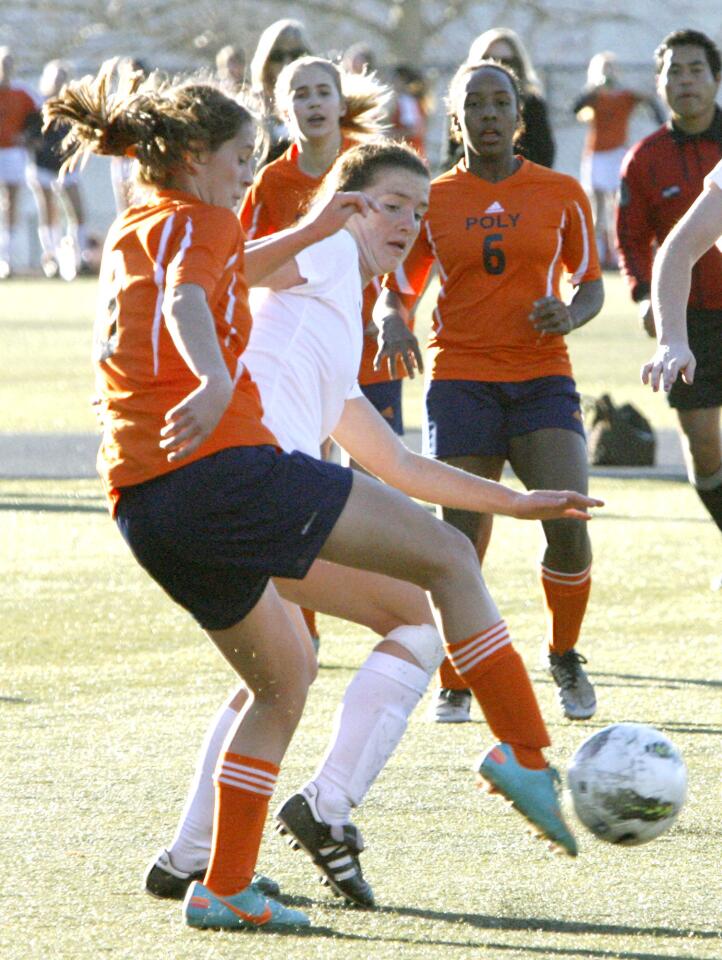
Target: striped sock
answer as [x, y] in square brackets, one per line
[566, 597]
[243, 789]
[496, 674]
[449, 679]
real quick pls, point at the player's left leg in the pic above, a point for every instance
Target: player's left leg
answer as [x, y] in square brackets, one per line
[557, 459]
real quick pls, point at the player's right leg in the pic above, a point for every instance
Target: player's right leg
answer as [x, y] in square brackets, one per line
[382, 530]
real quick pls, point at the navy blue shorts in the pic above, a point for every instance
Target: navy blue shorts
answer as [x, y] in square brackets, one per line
[213, 532]
[386, 397]
[704, 329]
[471, 418]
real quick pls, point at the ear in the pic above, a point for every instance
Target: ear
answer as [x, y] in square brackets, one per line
[344, 107]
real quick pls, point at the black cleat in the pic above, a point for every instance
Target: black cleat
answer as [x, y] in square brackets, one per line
[166, 882]
[333, 849]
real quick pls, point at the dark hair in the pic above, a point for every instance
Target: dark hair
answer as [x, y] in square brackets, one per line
[462, 73]
[160, 123]
[689, 38]
[359, 167]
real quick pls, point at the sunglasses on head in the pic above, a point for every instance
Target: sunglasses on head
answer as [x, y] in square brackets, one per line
[286, 56]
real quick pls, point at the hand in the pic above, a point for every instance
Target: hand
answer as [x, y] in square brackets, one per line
[669, 361]
[550, 316]
[195, 418]
[396, 339]
[646, 318]
[331, 217]
[554, 505]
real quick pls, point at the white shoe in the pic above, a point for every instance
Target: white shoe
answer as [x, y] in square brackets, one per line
[576, 694]
[450, 706]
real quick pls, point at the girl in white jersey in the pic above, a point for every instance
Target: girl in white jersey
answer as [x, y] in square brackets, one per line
[303, 354]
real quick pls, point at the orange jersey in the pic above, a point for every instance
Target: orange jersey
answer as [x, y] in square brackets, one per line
[499, 247]
[150, 251]
[609, 127]
[277, 199]
[16, 106]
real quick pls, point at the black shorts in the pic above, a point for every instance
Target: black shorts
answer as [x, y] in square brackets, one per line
[213, 532]
[704, 329]
[386, 397]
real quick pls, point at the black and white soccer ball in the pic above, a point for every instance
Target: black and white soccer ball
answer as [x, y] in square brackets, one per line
[628, 783]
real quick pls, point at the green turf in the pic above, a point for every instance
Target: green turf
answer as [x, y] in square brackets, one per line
[106, 689]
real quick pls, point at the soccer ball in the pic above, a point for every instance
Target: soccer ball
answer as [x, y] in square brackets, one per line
[628, 783]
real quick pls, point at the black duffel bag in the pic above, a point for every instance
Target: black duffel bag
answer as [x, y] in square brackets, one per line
[619, 436]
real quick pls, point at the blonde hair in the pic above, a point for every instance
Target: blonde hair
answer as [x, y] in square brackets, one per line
[162, 124]
[366, 98]
[260, 80]
[479, 50]
[595, 71]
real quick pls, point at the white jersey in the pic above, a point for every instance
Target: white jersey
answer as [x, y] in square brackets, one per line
[305, 346]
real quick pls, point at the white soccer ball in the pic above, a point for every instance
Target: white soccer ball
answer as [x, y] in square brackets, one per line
[628, 783]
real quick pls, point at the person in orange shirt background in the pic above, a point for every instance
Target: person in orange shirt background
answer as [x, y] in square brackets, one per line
[606, 106]
[17, 107]
[502, 231]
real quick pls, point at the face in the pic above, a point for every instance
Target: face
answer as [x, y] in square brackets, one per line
[223, 177]
[315, 106]
[687, 83]
[503, 51]
[487, 112]
[285, 50]
[387, 235]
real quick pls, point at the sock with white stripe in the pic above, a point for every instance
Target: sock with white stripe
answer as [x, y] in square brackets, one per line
[369, 724]
[496, 675]
[243, 790]
[191, 846]
[566, 595]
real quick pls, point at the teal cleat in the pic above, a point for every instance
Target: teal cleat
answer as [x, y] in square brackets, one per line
[247, 910]
[534, 793]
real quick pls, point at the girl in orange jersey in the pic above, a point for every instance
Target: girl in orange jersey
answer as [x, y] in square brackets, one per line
[303, 354]
[502, 229]
[209, 504]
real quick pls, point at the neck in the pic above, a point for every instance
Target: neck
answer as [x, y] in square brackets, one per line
[493, 169]
[317, 155]
[695, 124]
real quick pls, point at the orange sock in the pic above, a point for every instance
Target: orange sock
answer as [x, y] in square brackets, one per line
[566, 596]
[310, 617]
[496, 674]
[243, 789]
[449, 679]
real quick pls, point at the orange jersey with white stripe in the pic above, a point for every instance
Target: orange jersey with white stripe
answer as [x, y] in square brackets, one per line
[499, 247]
[609, 127]
[151, 250]
[276, 200]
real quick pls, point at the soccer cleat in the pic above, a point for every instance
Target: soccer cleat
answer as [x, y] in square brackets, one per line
[576, 693]
[333, 849]
[247, 910]
[450, 706]
[167, 882]
[534, 793]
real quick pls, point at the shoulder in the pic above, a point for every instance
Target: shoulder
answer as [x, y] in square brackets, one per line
[649, 147]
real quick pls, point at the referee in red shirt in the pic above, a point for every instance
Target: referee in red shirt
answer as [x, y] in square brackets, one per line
[662, 175]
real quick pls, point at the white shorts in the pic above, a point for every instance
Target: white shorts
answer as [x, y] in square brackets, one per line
[42, 177]
[12, 165]
[600, 170]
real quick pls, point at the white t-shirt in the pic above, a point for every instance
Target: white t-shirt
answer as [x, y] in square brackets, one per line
[305, 346]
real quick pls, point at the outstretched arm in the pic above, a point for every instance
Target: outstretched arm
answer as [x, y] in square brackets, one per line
[695, 233]
[364, 433]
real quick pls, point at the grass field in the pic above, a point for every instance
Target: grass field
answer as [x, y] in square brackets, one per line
[106, 689]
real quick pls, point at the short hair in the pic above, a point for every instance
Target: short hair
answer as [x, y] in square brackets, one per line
[689, 38]
[455, 86]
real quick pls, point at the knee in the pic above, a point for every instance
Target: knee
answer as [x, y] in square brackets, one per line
[453, 556]
[569, 539]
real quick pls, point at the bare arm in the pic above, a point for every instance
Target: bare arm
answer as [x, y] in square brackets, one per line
[695, 233]
[190, 323]
[395, 337]
[364, 433]
[550, 315]
[268, 257]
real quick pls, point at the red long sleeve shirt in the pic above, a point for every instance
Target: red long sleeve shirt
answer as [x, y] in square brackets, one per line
[662, 176]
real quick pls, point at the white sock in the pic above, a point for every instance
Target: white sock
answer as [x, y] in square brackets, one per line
[191, 847]
[368, 726]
